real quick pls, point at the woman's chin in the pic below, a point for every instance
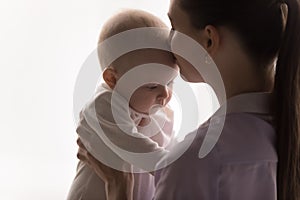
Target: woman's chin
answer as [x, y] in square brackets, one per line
[192, 79]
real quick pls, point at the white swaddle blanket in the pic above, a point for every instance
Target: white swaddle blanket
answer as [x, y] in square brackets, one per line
[110, 132]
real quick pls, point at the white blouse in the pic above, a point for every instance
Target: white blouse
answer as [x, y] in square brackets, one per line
[241, 165]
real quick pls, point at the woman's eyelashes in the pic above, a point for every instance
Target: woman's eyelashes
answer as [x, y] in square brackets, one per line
[174, 57]
[170, 83]
[171, 34]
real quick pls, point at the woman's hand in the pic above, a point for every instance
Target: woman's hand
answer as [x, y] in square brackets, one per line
[118, 184]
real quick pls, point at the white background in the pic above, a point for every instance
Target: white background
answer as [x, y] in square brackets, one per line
[43, 45]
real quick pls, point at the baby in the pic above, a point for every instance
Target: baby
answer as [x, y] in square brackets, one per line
[120, 116]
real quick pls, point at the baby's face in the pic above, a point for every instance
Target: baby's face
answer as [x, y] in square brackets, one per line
[154, 94]
[151, 96]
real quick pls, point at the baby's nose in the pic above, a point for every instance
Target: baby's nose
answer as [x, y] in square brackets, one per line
[163, 95]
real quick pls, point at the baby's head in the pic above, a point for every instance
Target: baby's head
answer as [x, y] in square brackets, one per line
[151, 93]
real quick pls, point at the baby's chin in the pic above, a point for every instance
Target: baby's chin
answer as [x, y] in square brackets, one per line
[154, 109]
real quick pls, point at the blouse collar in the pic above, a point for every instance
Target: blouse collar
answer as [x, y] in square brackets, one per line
[254, 103]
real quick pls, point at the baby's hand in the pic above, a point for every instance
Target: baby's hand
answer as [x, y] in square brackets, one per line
[144, 121]
[169, 112]
[164, 126]
[164, 137]
[168, 126]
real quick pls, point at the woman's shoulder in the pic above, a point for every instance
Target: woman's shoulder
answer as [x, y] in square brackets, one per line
[247, 138]
[244, 138]
[244, 151]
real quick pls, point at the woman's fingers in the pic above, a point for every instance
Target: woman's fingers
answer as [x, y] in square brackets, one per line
[79, 143]
[82, 153]
[92, 162]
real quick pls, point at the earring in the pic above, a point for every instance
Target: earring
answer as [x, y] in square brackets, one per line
[207, 59]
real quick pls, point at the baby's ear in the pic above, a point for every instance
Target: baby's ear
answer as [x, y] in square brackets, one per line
[110, 77]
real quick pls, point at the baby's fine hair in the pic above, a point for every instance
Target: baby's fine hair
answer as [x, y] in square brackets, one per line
[129, 19]
[123, 21]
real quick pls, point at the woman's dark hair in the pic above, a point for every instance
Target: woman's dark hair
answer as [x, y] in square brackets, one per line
[261, 28]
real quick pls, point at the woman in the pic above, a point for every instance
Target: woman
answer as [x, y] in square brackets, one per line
[258, 153]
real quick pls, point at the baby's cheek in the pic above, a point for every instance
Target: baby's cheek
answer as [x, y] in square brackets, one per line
[169, 97]
[146, 103]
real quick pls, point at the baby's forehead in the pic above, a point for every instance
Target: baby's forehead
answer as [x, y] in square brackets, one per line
[147, 56]
[153, 65]
[152, 73]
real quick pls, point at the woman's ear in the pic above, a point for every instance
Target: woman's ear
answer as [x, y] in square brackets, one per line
[110, 77]
[212, 39]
